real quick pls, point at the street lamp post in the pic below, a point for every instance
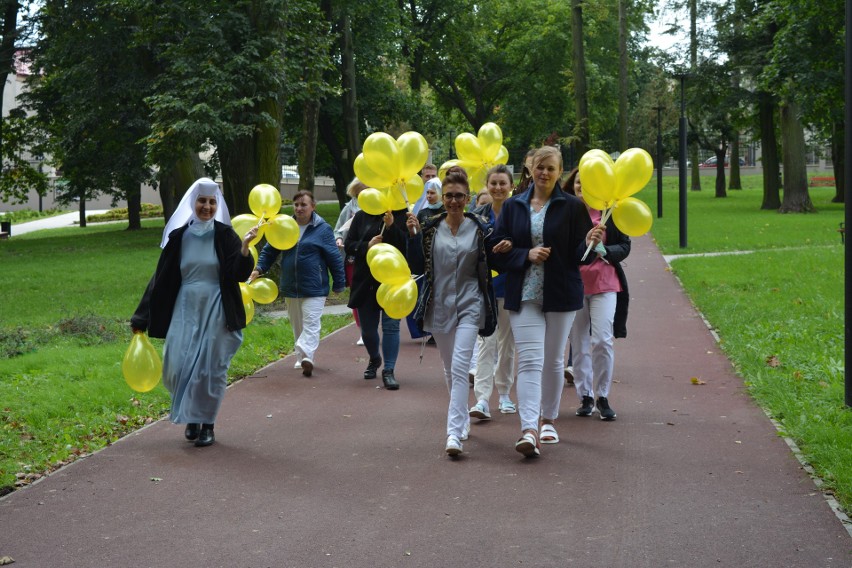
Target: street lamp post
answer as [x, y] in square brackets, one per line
[659, 110]
[847, 169]
[682, 162]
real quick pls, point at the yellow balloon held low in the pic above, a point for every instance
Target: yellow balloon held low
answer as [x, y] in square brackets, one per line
[478, 154]
[141, 366]
[390, 166]
[608, 185]
[397, 293]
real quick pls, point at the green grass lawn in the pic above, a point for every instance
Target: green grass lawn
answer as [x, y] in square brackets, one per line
[779, 312]
[64, 326]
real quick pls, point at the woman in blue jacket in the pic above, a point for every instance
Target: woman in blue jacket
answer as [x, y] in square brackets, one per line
[304, 276]
[541, 236]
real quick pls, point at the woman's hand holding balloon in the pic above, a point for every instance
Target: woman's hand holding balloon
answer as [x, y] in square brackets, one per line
[374, 241]
[413, 224]
[247, 239]
[595, 235]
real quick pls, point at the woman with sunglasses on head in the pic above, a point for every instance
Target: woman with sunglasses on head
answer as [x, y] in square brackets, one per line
[457, 301]
[603, 315]
[540, 239]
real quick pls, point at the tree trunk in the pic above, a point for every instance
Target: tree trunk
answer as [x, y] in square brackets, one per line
[175, 180]
[796, 196]
[7, 53]
[736, 182]
[581, 98]
[82, 211]
[622, 75]
[695, 173]
[350, 101]
[308, 144]
[769, 151]
[838, 161]
[134, 207]
[720, 169]
[329, 138]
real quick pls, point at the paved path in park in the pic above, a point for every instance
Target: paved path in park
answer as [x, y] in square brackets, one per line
[332, 471]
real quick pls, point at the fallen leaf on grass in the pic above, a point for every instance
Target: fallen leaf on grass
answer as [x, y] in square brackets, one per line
[697, 381]
[772, 361]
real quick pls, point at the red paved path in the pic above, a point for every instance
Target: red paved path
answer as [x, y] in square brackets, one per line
[333, 472]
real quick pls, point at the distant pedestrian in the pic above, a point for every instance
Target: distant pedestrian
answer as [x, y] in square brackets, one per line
[457, 302]
[602, 317]
[304, 277]
[194, 302]
[540, 238]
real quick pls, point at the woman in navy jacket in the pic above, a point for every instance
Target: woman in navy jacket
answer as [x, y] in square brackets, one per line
[541, 236]
[304, 276]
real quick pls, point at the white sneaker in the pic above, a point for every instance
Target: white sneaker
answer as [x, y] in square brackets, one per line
[454, 446]
[480, 410]
[297, 365]
[360, 341]
[466, 431]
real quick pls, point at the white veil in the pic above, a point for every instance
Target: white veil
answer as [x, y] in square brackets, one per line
[185, 211]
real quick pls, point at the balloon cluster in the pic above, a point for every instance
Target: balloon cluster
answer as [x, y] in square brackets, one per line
[478, 154]
[281, 231]
[608, 185]
[397, 292]
[260, 290]
[141, 365]
[389, 168]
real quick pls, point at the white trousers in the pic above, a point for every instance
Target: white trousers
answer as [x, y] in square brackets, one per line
[495, 359]
[540, 339]
[456, 348]
[591, 345]
[306, 320]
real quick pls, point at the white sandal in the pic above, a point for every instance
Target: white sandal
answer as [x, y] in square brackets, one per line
[548, 434]
[528, 445]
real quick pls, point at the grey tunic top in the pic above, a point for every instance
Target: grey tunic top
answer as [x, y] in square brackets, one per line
[198, 347]
[456, 297]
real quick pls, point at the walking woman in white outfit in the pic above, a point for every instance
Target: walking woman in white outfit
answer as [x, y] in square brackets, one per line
[457, 301]
[540, 237]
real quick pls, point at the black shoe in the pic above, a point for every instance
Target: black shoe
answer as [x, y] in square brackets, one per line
[430, 341]
[372, 368]
[205, 437]
[191, 432]
[603, 407]
[389, 380]
[588, 407]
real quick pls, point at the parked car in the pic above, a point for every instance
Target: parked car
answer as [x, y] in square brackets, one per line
[289, 175]
[711, 162]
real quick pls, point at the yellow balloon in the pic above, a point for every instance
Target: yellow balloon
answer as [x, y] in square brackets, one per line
[282, 232]
[369, 177]
[596, 153]
[476, 177]
[389, 268]
[411, 191]
[381, 248]
[263, 290]
[400, 300]
[383, 291]
[141, 366]
[382, 154]
[632, 216]
[413, 153]
[264, 200]
[490, 139]
[633, 170]
[468, 148]
[442, 171]
[242, 224]
[594, 202]
[373, 201]
[502, 156]
[249, 308]
[597, 178]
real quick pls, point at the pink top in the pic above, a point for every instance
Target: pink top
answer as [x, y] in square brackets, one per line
[599, 276]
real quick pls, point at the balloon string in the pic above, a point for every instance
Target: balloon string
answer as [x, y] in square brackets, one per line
[604, 219]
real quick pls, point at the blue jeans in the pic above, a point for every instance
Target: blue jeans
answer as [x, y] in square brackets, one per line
[370, 334]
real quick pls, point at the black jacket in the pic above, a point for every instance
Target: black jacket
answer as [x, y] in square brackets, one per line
[154, 312]
[364, 227]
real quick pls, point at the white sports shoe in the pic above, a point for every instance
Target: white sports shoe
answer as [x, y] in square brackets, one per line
[454, 446]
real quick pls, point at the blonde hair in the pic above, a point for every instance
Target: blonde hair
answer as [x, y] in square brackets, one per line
[355, 187]
[546, 152]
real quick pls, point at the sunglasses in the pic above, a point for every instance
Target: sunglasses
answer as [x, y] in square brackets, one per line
[456, 196]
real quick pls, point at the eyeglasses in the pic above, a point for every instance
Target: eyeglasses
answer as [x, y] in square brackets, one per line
[456, 196]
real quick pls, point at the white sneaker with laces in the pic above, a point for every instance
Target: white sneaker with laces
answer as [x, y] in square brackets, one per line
[360, 341]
